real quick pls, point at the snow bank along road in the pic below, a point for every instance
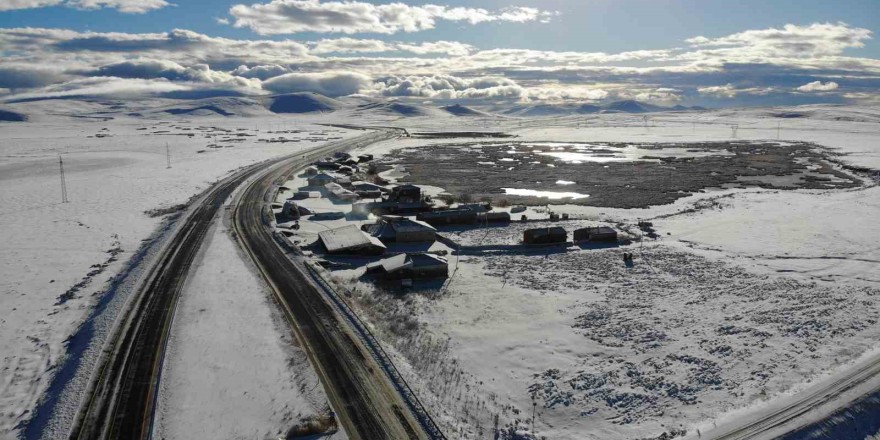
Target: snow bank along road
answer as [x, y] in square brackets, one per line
[373, 402]
[123, 395]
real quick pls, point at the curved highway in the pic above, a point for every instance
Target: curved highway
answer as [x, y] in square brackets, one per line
[366, 398]
[122, 397]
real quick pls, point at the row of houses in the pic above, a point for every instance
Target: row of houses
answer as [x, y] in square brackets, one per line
[558, 235]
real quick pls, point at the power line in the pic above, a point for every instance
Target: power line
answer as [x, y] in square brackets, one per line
[63, 181]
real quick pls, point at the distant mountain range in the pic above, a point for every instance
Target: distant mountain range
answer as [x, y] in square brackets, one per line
[628, 106]
[309, 102]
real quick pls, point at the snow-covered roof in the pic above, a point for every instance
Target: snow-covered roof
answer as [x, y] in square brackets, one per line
[405, 224]
[348, 237]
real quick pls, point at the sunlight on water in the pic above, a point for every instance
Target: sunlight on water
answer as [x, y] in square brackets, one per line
[552, 195]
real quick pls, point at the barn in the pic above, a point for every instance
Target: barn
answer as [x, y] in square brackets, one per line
[552, 235]
[449, 217]
[397, 229]
[410, 266]
[321, 179]
[350, 240]
[597, 234]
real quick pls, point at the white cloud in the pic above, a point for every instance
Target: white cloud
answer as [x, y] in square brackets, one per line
[725, 91]
[817, 39]
[329, 83]
[451, 48]
[294, 16]
[106, 86]
[10, 5]
[818, 86]
[260, 72]
[350, 45]
[126, 6]
[449, 87]
[355, 45]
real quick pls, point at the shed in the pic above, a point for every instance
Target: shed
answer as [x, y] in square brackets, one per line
[294, 211]
[476, 207]
[410, 266]
[365, 157]
[550, 235]
[493, 217]
[321, 179]
[338, 192]
[311, 170]
[367, 186]
[327, 165]
[597, 234]
[350, 240]
[405, 194]
[302, 195]
[449, 217]
[397, 229]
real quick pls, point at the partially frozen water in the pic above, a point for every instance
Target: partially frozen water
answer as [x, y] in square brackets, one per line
[552, 195]
[581, 153]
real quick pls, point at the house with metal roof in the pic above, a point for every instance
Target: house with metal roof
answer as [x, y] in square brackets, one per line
[596, 234]
[321, 179]
[397, 229]
[410, 266]
[350, 240]
[552, 235]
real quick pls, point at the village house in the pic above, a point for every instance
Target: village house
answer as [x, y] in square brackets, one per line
[597, 234]
[410, 266]
[350, 240]
[396, 229]
[552, 235]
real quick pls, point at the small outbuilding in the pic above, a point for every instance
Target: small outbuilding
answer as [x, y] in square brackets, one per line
[350, 240]
[327, 165]
[552, 235]
[293, 211]
[311, 170]
[397, 229]
[405, 194]
[367, 186]
[365, 158]
[410, 266]
[604, 234]
[449, 217]
[339, 193]
[493, 217]
[321, 179]
[302, 195]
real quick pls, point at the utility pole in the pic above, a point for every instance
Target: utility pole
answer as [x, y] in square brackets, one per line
[778, 126]
[733, 129]
[534, 407]
[63, 181]
[167, 155]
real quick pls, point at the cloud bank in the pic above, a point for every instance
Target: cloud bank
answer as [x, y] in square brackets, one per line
[792, 64]
[351, 17]
[125, 6]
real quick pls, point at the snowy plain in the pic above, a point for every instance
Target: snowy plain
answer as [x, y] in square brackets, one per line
[748, 295]
[61, 259]
[567, 331]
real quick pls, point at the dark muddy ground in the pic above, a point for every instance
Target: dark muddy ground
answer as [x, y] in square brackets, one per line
[477, 169]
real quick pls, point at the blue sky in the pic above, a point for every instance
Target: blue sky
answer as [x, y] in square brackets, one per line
[720, 66]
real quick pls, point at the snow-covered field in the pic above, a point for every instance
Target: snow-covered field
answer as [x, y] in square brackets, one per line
[58, 258]
[748, 294]
[233, 368]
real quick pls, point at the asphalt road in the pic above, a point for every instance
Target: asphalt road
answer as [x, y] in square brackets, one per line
[122, 397]
[772, 423]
